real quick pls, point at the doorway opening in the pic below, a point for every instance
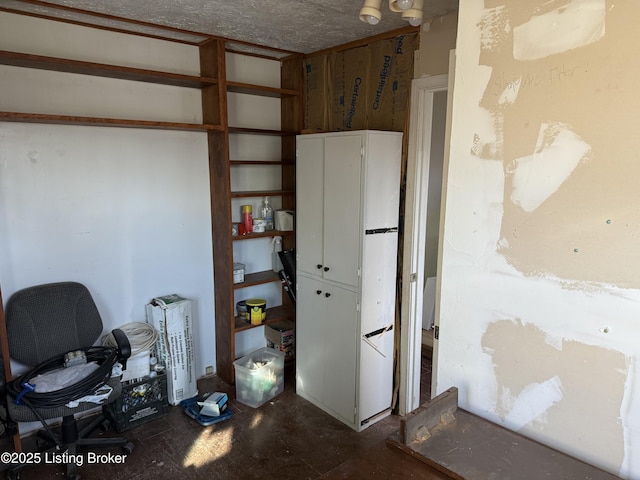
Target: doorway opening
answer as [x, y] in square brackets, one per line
[425, 167]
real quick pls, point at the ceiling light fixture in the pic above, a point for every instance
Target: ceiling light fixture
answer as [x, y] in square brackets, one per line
[414, 14]
[370, 12]
[400, 5]
[411, 11]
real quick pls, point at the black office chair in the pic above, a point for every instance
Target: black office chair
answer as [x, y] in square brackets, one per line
[44, 323]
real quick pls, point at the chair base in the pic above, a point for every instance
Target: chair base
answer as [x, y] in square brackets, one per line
[72, 441]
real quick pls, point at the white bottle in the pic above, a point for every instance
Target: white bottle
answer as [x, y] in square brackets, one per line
[277, 247]
[267, 214]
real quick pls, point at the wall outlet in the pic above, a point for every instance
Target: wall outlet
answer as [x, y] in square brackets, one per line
[209, 370]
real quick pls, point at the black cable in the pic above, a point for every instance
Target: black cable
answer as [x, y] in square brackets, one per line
[105, 357]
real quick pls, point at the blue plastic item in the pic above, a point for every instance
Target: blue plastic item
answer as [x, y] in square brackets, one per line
[191, 408]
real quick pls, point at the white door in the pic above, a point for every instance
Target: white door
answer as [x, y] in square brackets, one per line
[342, 231]
[310, 204]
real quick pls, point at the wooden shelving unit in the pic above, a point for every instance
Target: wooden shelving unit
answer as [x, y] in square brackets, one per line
[290, 95]
[213, 84]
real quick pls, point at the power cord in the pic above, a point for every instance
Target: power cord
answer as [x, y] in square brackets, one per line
[24, 392]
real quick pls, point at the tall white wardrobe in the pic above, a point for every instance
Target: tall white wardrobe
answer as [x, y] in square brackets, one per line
[348, 187]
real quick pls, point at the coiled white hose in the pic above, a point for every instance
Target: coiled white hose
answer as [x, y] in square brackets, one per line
[142, 337]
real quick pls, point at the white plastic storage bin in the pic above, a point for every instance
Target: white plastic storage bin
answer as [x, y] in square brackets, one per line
[259, 376]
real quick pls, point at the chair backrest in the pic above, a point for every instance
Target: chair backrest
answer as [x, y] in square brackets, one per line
[48, 320]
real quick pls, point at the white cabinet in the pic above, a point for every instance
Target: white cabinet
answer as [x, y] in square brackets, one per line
[346, 241]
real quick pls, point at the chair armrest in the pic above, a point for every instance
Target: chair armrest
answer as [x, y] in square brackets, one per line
[124, 347]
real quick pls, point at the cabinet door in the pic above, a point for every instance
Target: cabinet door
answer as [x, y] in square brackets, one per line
[340, 351]
[309, 204]
[310, 332]
[342, 232]
[326, 346]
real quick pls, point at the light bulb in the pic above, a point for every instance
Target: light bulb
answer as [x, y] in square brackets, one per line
[404, 4]
[370, 12]
[414, 14]
[371, 20]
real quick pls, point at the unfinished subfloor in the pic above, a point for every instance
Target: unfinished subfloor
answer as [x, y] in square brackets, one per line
[286, 438]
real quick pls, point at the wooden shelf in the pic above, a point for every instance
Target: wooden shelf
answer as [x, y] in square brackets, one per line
[270, 233]
[274, 314]
[257, 278]
[103, 70]
[103, 122]
[260, 90]
[260, 131]
[263, 193]
[259, 162]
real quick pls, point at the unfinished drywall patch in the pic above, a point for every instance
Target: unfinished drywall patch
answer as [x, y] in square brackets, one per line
[536, 177]
[555, 387]
[574, 24]
[560, 154]
[494, 28]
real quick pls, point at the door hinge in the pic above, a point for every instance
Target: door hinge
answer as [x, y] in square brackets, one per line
[436, 332]
[413, 277]
[357, 307]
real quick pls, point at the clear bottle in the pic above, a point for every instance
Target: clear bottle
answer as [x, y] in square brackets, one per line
[277, 247]
[267, 214]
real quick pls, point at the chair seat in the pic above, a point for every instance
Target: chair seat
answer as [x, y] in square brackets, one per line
[22, 413]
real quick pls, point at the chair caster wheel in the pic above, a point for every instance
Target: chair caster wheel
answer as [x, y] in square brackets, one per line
[104, 425]
[127, 448]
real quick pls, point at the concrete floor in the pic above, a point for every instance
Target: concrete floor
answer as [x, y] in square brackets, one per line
[286, 438]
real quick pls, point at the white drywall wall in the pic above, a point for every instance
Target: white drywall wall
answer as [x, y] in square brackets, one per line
[539, 303]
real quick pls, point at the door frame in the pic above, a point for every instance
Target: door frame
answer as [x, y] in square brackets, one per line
[416, 195]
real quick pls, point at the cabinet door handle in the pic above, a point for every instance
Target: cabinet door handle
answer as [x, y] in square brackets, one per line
[318, 292]
[327, 294]
[318, 266]
[326, 269]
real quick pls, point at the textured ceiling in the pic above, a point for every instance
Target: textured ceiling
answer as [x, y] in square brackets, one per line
[297, 25]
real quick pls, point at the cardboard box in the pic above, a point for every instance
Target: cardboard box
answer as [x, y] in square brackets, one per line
[281, 333]
[282, 337]
[171, 316]
[288, 350]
